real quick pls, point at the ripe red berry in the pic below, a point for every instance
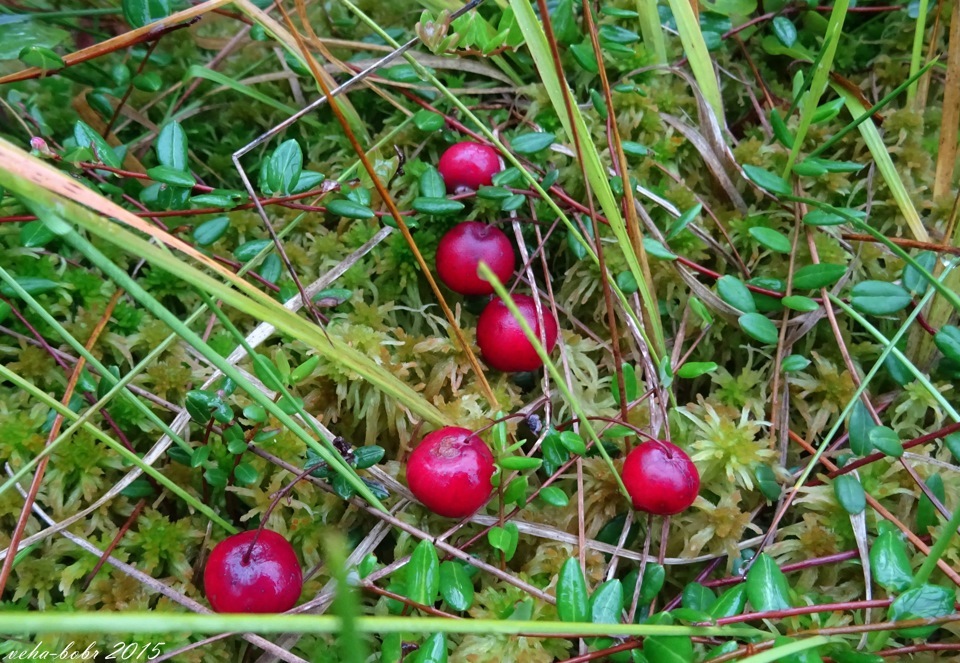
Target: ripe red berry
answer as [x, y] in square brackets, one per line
[502, 341]
[268, 579]
[660, 478]
[449, 472]
[461, 250]
[468, 165]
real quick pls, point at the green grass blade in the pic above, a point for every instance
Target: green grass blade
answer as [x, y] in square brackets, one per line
[651, 30]
[888, 171]
[916, 52]
[197, 71]
[821, 76]
[697, 54]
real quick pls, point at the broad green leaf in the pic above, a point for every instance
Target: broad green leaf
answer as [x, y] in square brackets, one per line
[245, 474]
[456, 587]
[767, 482]
[617, 35]
[771, 239]
[148, 81]
[249, 250]
[627, 282]
[431, 184]
[795, 363]
[367, 456]
[759, 327]
[606, 604]
[87, 137]
[879, 298]
[139, 13]
[423, 574]
[35, 234]
[783, 134]
[531, 143]
[658, 250]
[33, 285]
[433, 650]
[572, 601]
[437, 206]
[926, 512]
[913, 279]
[516, 493]
[730, 603]
[948, 342]
[171, 146]
[554, 496]
[668, 649]
[40, 57]
[426, 120]
[785, 30]
[693, 369]
[697, 597]
[767, 180]
[210, 231]
[349, 209]
[285, 166]
[800, 303]
[859, 426]
[171, 176]
[767, 587]
[813, 277]
[889, 563]
[505, 539]
[573, 442]
[925, 601]
[734, 292]
[850, 493]
[886, 440]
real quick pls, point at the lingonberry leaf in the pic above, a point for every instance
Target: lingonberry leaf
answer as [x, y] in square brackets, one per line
[767, 587]
[767, 482]
[249, 250]
[879, 298]
[926, 601]
[87, 137]
[516, 491]
[730, 603]
[697, 597]
[606, 604]
[889, 563]
[456, 586]
[850, 493]
[572, 600]
[658, 250]
[423, 574]
[926, 512]
[426, 120]
[785, 30]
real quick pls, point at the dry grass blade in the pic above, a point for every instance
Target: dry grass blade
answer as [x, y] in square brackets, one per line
[950, 121]
[125, 40]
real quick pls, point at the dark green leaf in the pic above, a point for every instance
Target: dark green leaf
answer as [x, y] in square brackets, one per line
[255, 413]
[285, 165]
[87, 137]
[693, 369]
[767, 180]
[657, 250]
[889, 563]
[40, 57]
[139, 13]
[368, 456]
[35, 234]
[850, 493]
[886, 440]
[953, 444]
[771, 239]
[925, 601]
[800, 303]
[428, 120]
[617, 35]
[137, 489]
[519, 463]
[572, 601]
[635, 149]
[879, 298]
[781, 132]
[199, 456]
[149, 81]
[926, 512]
[493, 193]
[668, 649]
[423, 574]
[504, 538]
[606, 604]
[629, 384]
[171, 176]
[171, 146]
[859, 427]
[554, 496]
[683, 221]
[585, 57]
[767, 587]
[456, 587]
[433, 650]
[516, 492]
[308, 180]
[767, 482]
[948, 342]
[734, 292]
[349, 209]
[627, 283]
[759, 327]
[785, 30]
[795, 363]
[210, 231]
[913, 278]
[828, 111]
[573, 442]
[513, 203]
[245, 474]
[697, 597]
[813, 277]
[730, 603]
[531, 143]
[267, 372]
[565, 22]
[31, 284]
[437, 206]
[249, 250]
[431, 184]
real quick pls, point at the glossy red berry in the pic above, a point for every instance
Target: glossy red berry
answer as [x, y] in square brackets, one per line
[269, 579]
[449, 472]
[502, 341]
[461, 250]
[468, 165]
[660, 478]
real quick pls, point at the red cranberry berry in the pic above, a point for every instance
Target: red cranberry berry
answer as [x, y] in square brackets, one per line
[468, 165]
[660, 478]
[449, 472]
[502, 341]
[461, 250]
[262, 578]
